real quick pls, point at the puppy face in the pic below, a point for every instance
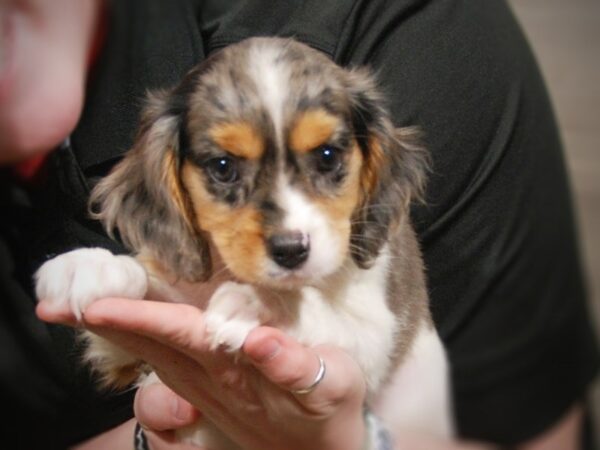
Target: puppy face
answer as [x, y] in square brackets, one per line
[271, 155]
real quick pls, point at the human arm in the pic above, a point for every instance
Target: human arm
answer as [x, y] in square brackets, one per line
[151, 409]
[151, 335]
[249, 402]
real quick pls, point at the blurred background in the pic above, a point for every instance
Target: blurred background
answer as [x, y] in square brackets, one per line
[565, 36]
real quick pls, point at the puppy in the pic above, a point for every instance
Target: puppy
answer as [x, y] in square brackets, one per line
[272, 182]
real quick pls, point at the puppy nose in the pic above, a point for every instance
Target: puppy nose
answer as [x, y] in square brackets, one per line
[289, 249]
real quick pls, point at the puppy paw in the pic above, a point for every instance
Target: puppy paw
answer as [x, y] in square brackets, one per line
[233, 311]
[75, 279]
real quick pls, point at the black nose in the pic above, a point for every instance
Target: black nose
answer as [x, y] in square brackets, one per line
[289, 249]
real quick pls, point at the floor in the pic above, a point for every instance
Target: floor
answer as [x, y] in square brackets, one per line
[565, 35]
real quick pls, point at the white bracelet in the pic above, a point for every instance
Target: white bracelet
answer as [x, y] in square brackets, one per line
[377, 437]
[139, 438]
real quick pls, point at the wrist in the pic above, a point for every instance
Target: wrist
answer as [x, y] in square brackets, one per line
[140, 440]
[349, 432]
[377, 436]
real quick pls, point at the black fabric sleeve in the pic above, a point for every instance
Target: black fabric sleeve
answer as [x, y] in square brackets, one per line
[500, 246]
[497, 232]
[150, 44]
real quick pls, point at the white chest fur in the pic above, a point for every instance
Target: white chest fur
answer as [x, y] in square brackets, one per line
[349, 310]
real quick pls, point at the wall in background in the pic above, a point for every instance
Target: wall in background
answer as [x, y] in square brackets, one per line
[565, 36]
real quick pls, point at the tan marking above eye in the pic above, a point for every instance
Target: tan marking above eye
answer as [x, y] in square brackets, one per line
[238, 138]
[312, 129]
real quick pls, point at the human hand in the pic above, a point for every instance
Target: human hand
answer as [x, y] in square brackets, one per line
[161, 412]
[250, 401]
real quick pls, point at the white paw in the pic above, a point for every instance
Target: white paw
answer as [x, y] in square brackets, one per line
[79, 277]
[233, 311]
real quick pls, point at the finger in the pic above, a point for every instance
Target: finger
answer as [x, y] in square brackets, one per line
[177, 325]
[48, 312]
[173, 367]
[158, 408]
[292, 367]
[152, 352]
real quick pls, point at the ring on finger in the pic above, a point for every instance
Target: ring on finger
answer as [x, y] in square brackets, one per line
[318, 378]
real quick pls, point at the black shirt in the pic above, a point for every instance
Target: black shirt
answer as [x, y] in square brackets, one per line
[505, 280]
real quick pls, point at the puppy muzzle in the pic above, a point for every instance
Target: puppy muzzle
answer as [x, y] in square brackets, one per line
[289, 249]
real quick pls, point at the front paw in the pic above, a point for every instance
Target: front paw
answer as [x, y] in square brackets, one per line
[77, 278]
[233, 311]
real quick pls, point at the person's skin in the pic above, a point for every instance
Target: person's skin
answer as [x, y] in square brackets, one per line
[44, 46]
[43, 54]
[167, 335]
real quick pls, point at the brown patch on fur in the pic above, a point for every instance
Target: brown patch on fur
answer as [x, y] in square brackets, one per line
[312, 129]
[340, 207]
[175, 188]
[114, 367]
[152, 266]
[121, 377]
[239, 139]
[371, 167]
[155, 269]
[236, 232]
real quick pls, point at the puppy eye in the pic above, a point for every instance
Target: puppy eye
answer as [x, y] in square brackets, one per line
[327, 159]
[223, 169]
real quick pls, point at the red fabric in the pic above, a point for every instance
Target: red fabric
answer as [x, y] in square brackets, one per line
[29, 169]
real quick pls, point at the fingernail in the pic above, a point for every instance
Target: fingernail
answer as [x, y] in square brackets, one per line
[266, 351]
[178, 412]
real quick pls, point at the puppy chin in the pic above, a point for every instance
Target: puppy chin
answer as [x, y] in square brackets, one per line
[286, 280]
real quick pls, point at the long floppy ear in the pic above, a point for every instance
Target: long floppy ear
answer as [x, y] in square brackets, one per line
[393, 171]
[144, 199]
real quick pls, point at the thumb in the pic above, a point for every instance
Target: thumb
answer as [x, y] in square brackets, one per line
[158, 408]
[292, 367]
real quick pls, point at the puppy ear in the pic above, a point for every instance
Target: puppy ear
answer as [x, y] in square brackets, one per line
[393, 171]
[144, 199]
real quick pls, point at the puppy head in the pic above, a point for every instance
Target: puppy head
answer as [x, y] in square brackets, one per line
[271, 155]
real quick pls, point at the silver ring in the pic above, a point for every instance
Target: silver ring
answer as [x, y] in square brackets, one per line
[314, 384]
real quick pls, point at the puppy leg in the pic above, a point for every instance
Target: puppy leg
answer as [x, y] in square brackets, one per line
[115, 367]
[74, 280]
[233, 311]
[418, 399]
[77, 278]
